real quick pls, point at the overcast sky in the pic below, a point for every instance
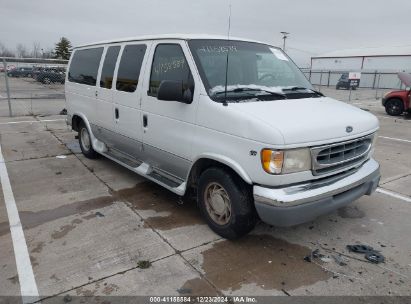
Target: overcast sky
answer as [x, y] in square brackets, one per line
[316, 26]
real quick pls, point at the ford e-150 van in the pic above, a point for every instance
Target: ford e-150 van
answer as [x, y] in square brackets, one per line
[233, 121]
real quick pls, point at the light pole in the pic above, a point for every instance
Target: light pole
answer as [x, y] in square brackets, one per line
[285, 36]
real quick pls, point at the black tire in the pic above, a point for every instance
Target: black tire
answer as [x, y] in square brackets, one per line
[242, 214]
[87, 149]
[394, 107]
[337, 87]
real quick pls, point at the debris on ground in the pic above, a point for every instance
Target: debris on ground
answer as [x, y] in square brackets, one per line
[375, 257]
[339, 259]
[326, 259]
[360, 248]
[63, 112]
[99, 214]
[314, 254]
[61, 156]
[143, 264]
[372, 255]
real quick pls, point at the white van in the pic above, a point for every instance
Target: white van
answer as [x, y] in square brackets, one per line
[233, 120]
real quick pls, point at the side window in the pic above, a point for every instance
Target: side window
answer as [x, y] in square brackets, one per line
[106, 79]
[130, 66]
[169, 63]
[84, 66]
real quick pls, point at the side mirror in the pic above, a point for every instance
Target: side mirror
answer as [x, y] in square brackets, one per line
[174, 91]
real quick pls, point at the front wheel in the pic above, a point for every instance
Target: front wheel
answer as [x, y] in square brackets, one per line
[226, 203]
[84, 139]
[394, 107]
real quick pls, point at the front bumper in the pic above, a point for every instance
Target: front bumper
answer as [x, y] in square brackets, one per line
[301, 203]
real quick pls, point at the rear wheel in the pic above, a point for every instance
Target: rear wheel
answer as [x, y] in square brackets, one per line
[226, 203]
[394, 107]
[84, 139]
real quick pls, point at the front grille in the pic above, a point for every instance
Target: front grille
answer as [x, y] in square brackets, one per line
[334, 157]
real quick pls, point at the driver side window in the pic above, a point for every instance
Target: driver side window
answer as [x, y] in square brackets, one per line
[169, 63]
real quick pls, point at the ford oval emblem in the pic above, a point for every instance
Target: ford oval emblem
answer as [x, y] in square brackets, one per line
[349, 129]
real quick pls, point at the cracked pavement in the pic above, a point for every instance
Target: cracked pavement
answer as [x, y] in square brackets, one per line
[90, 225]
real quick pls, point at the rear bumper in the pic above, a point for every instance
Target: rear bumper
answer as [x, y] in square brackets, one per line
[301, 203]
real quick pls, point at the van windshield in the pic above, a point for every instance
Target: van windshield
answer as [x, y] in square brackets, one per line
[254, 70]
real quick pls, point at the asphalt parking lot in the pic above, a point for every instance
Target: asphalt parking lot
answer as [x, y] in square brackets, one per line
[94, 228]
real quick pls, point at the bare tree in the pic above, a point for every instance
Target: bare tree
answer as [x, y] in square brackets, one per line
[5, 52]
[48, 53]
[21, 50]
[36, 50]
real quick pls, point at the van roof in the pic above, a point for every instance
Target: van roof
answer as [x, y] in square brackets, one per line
[166, 36]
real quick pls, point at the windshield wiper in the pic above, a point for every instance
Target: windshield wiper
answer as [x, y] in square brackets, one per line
[296, 88]
[245, 90]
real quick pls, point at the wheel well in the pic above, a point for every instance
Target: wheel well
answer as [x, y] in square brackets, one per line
[395, 97]
[204, 163]
[75, 122]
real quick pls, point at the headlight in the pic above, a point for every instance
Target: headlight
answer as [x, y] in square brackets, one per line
[287, 161]
[373, 143]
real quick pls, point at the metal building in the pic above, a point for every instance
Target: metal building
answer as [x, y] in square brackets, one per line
[379, 66]
[368, 59]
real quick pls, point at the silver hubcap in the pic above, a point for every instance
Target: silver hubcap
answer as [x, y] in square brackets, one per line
[85, 139]
[217, 203]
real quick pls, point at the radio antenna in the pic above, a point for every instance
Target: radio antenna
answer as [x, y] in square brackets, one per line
[228, 51]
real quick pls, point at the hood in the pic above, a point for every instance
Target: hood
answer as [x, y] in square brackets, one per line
[393, 92]
[311, 121]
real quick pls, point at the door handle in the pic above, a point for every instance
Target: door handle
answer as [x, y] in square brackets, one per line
[145, 122]
[116, 113]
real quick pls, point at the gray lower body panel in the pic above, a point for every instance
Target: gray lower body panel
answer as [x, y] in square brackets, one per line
[298, 213]
[173, 166]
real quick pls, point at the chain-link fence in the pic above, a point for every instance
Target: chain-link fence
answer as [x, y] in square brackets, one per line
[369, 79]
[31, 86]
[36, 86]
[373, 84]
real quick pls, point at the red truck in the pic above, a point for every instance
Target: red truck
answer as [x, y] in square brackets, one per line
[399, 101]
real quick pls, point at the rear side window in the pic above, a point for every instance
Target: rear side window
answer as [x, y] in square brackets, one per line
[130, 66]
[169, 63]
[106, 79]
[84, 66]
